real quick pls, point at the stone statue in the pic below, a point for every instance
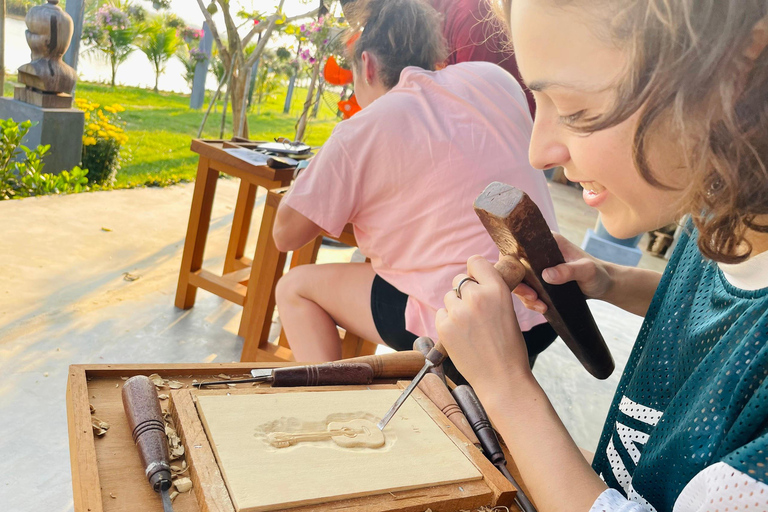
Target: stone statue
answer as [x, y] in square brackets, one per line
[49, 31]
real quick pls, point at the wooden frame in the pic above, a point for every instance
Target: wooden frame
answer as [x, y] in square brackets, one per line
[109, 466]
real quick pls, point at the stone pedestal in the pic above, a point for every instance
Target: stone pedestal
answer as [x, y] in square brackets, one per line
[62, 128]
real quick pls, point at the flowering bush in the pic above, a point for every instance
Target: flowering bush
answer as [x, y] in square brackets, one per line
[111, 32]
[190, 35]
[102, 139]
[110, 17]
[318, 35]
[21, 168]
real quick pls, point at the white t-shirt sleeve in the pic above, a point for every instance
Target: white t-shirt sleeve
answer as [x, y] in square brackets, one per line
[717, 488]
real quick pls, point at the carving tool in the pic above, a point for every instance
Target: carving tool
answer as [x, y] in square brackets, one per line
[473, 410]
[438, 393]
[327, 374]
[396, 365]
[424, 345]
[512, 273]
[518, 228]
[145, 419]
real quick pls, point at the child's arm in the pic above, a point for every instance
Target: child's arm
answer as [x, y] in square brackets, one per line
[626, 287]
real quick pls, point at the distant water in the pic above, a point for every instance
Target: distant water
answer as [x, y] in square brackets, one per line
[136, 71]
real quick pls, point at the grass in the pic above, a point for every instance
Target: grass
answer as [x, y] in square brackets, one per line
[161, 125]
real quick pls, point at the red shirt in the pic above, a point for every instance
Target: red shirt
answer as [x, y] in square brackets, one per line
[472, 39]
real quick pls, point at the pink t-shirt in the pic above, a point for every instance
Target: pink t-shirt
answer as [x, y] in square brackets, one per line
[406, 170]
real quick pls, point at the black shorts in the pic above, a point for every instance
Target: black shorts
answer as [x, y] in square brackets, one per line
[388, 308]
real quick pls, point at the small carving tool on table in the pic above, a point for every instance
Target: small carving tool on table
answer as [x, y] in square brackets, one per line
[145, 419]
[473, 410]
[327, 374]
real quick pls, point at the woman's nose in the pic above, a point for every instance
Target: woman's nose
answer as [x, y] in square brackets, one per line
[547, 150]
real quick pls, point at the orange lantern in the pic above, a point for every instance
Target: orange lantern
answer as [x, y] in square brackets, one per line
[335, 74]
[349, 107]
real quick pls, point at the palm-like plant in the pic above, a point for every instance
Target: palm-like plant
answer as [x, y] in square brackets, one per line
[159, 43]
[111, 32]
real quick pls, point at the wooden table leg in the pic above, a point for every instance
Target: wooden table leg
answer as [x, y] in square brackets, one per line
[267, 268]
[241, 223]
[197, 232]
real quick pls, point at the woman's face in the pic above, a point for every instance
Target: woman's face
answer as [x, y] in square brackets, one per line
[573, 72]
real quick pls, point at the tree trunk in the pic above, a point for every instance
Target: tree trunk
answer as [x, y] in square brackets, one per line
[239, 86]
[157, 78]
[224, 110]
[114, 71]
[318, 97]
[301, 126]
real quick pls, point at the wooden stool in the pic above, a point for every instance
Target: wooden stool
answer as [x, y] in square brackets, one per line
[249, 283]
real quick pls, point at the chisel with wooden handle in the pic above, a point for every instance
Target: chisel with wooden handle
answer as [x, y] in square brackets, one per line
[512, 272]
[396, 365]
[145, 419]
[327, 374]
[438, 393]
[473, 410]
[424, 345]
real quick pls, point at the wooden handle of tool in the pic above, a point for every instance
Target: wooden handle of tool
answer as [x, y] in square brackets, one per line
[328, 374]
[511, 270]
[438, 354]
[473, 410]
[397, 365]
[424, 344]
[438, 393]
[145, 419]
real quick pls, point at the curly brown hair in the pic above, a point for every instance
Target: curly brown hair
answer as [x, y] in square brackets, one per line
[686, 73]
[400, 33]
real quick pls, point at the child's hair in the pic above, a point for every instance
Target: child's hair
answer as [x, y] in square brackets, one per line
[400, 33]
[686, 71]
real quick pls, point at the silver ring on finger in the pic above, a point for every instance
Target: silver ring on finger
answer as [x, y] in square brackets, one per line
[458, 286]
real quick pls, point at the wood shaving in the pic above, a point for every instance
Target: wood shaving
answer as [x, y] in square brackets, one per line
[117, 385]
[183, 484]
[99, 427]
[175, 448]
[232, 385]
[93, 409]
[174, 384]
[127, 276]
[162, 396]
[105, 229]
[124, 378]
[224, 376]
[157, 380]
[173, 495]
[112, 495]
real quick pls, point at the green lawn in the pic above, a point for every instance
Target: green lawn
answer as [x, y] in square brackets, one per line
[160, 127]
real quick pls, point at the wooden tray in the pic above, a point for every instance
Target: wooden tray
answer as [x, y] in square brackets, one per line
[106, 472]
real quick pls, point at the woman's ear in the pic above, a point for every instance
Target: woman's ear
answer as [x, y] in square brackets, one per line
[368, 67]
[759, 40]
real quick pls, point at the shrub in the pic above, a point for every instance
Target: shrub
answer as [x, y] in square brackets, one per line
[21, 168]
[103, 138]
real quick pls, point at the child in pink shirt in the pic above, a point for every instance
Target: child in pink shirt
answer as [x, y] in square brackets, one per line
[405, 172]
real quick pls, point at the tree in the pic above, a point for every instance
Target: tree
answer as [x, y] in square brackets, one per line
[159, 43]
[112, 31]
[232, 52]
[273, 67]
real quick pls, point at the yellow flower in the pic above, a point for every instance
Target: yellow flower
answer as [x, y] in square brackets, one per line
[118, 108]
[110, 110]
[93, 126]
[101, 133]
[87, 116]
[89, 141]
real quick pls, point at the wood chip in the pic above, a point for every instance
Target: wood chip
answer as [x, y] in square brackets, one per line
[232, 385]
[210, 358]
[112, 495]
[93, 409]
[173, 495]
[127, 276]
[99, 427]
[124, 378]
[105, 229]
[157, 380]
[183, 484]
[175, 448]
[162, 396]
[224, 376]
[174, 384]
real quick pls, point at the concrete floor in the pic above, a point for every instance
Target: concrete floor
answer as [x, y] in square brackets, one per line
[64, 299]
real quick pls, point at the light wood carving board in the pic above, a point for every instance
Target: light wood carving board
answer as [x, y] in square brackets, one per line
[261, 477]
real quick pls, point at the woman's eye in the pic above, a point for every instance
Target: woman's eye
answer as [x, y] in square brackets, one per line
[573, 118]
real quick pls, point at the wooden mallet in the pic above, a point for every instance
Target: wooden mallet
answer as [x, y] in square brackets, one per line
[518, 228]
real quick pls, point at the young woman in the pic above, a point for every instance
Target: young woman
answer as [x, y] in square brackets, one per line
[404, 171]
[658, 108]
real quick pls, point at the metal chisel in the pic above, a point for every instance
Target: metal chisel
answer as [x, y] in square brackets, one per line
[327, 374]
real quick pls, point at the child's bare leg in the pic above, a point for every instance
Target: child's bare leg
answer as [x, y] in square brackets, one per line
[313, 299]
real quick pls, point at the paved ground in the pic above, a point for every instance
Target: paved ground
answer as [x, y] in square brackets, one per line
[64, 299]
